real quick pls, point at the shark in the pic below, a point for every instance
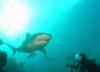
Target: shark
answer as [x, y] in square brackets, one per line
[32, 43]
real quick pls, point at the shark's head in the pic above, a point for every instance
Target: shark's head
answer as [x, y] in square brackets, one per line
[44, 37]
[39, 40]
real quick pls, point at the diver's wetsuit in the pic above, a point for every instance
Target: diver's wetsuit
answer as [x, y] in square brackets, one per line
[86, 66]
[89, 66]
[3, 60]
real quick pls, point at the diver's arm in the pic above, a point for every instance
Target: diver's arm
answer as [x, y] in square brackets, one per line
[72, 65]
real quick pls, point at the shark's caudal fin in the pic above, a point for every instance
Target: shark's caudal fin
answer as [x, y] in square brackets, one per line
[12, 48]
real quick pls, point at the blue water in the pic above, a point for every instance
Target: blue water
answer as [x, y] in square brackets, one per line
[74, 26]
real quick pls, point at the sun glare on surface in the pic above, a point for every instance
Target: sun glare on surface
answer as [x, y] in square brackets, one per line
[14, 17]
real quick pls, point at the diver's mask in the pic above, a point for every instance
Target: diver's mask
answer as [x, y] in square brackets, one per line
[78, 58]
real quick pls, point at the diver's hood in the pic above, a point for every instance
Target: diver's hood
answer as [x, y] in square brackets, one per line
[77, 57]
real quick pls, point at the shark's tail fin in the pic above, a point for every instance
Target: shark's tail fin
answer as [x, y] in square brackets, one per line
[12, 48]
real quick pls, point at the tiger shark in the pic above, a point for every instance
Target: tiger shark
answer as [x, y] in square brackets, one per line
[32, 43]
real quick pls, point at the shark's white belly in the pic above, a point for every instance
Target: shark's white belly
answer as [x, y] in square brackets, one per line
[28, 49]
[37, 45]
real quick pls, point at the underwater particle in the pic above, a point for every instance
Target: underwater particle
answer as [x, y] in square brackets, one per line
[33, 43]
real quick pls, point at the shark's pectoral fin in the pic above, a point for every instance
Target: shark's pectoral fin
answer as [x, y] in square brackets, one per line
[43, 51]
[31, 55]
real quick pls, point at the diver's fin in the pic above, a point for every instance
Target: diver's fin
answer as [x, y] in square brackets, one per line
[12, 48]
[31, 55]
[43, 51]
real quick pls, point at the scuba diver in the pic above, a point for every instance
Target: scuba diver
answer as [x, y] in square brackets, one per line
[83, 64]
[3, 60]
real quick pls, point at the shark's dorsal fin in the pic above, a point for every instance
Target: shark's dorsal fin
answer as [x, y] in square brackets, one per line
[43, 51]
[28, 35]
